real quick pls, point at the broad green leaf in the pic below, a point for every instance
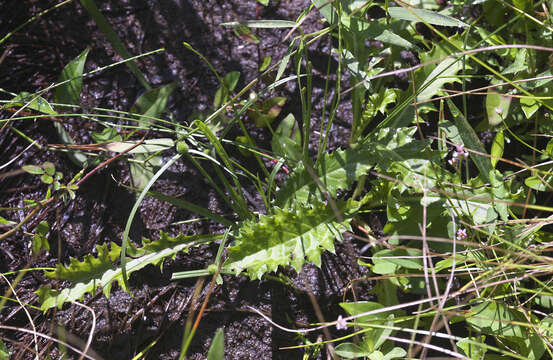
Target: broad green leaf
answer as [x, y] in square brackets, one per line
[339, 169]
[429, 81]
[497, 107]
[49, 168]
[217, 347]
[478, 210]
[288, 237]
[385, 268]
[442, 74]
[519, 64]
[107, 135]
[265, 64]
[40, 241]
[33, 169]
[405, 258]
[545, 301]
[540, 183]
[266, 112]
[69, 92]
[112, 37]
[471, 141]
[263, 24]
[6, 222]
[327, 10]
[150, 105]
[229, 83]
[472, 350]
[529, 106]
[4, 352]
[360, 307]
[496, 319]
[396, 352]
[33, 102]
[377, 102]
[374, 30]
[147, 146]
[498, 147]
[143, 169]
[422, 15]
[284, 143]
[100, 272]
[350, 351]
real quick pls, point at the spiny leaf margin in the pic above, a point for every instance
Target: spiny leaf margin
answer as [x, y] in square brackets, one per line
[288, 237]
[100, 272]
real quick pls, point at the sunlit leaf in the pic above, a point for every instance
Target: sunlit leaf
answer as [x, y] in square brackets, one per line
[422, 15]
[99, 271]
[288, 237]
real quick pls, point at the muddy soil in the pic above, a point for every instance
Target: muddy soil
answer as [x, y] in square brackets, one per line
[156, 309]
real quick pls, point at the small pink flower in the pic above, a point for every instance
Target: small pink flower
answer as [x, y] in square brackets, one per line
[341, 324]
[458, 155]
[461, 234]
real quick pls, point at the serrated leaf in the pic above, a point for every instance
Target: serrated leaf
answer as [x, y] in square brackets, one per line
[152, 104]
[422, 15]
[95, 272]
[288, 237]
